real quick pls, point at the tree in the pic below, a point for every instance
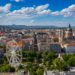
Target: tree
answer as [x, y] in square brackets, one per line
[66, 57]
[29, 66]
[40, 71]
[4, 68]
[38, 56]
[50, 56]
[59, 65]
[12, 69]
[71, 61]
[20, 67]
[3, 60]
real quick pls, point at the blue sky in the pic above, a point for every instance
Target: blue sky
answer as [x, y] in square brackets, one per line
[37, 12]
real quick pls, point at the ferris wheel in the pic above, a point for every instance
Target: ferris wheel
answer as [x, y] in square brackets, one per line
[13, 53]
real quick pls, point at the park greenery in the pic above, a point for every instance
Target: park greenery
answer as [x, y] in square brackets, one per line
[37, 62]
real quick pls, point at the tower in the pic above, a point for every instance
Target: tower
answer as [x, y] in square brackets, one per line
[69, 33]
[35, 46]
[61, 34]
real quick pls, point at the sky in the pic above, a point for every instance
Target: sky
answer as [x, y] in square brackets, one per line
[37, 12]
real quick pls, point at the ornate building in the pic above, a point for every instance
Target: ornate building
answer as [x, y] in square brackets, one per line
[69, 32]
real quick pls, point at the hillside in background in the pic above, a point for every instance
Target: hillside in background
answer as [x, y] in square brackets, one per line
[31, 27]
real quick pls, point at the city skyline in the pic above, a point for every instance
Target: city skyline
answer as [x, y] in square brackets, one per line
[41, 12]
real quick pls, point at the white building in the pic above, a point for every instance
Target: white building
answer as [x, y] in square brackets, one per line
[70, 48]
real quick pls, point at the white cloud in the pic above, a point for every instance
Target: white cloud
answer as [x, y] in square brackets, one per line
[32, 12]
[5, 9]
[70, 11]
[39, 10]
[43, 10]
[17, 0]
[66, 12]
[42, 7]
[56, 13]
[27, 10]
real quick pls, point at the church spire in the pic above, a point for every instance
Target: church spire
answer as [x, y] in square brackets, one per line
[70, 28]
[70, 33]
